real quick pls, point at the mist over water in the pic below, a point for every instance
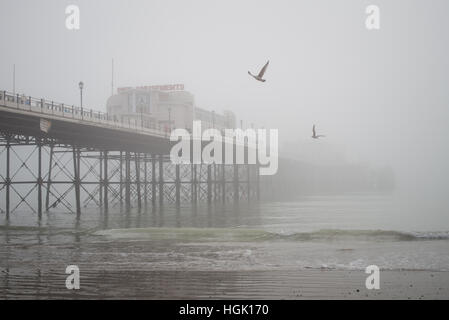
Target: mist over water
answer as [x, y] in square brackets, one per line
[380, 97]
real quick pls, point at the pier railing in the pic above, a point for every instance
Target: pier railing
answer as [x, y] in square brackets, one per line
[64, 111]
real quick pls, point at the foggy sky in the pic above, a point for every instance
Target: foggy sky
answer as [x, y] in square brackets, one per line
[380, 96]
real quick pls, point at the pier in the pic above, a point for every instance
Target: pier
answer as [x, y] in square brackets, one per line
[57, 156]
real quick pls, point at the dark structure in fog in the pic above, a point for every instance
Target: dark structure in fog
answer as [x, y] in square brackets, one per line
[72, 158]
[297, 178]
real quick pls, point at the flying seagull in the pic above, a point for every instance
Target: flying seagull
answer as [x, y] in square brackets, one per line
[314, 134]
[259, 77]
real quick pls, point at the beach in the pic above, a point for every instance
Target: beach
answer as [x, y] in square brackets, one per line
[315, 248]
[285, 285]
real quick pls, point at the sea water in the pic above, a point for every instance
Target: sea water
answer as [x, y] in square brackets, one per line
[329, 232]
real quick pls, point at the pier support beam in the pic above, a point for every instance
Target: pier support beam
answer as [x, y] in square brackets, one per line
[153, 180]
[76, 175]
[193, 187]
[236, 183]
[128, 181]
[209, 183]
[39, 179]
[215, 182]
[50, 169]
[106, 182]
[8, 178]
[100, 185]
[121, 178]
[223, 183]
[139, 194]
[178, 186]
[145, 179]
[161, 180]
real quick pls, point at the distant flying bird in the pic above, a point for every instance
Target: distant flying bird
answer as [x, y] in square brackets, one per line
[316, 136]
[259, 77]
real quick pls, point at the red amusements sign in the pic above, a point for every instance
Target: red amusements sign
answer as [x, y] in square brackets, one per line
[166, 87]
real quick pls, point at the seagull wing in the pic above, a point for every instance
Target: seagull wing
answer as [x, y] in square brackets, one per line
[262, 72]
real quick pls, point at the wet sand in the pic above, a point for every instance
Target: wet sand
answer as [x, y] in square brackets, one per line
[291, 285]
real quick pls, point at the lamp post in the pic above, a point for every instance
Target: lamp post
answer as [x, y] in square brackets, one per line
[213, 119]
[81, 86]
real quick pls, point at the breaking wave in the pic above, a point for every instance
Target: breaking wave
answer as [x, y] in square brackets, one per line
[255, 235]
